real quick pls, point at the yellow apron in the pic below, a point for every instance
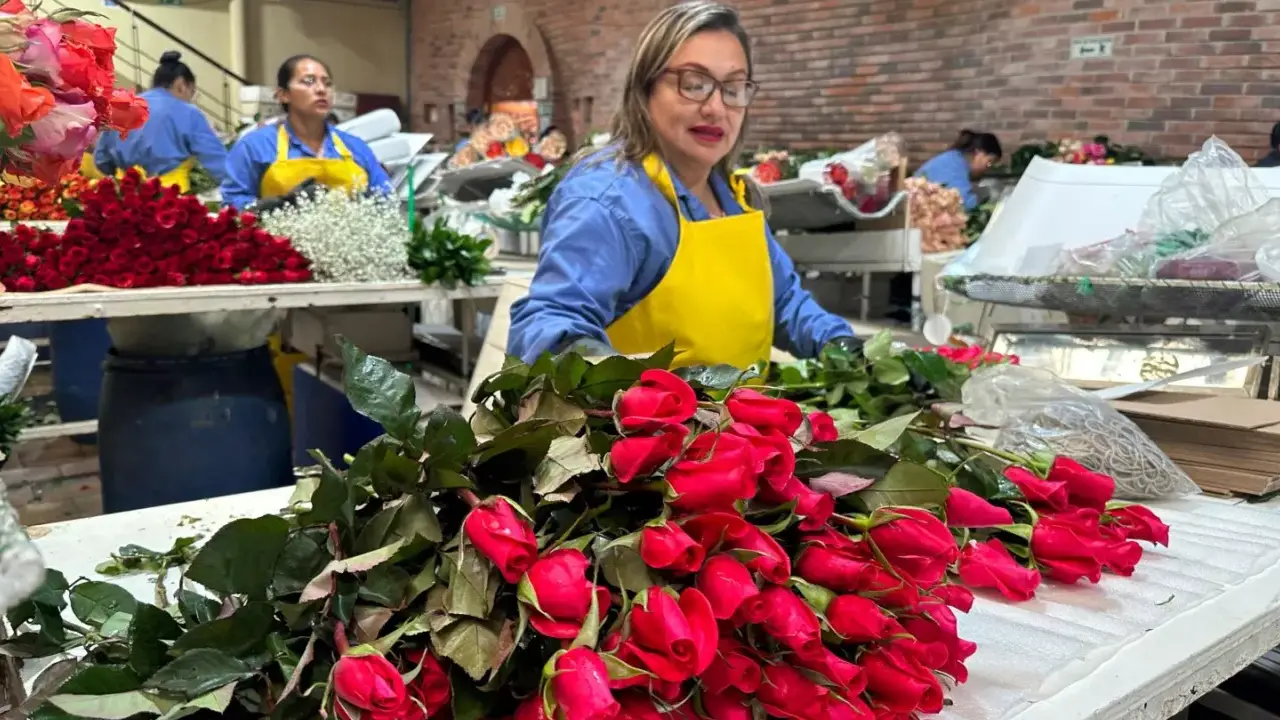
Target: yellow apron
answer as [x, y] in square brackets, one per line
[89, 169]
[287, 173]
[180, 176]
[716, 300]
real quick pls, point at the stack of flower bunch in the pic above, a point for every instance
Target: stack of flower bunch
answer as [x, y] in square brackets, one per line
[601, 542]
[500, 137]
[865, 174]
[136, 234]
[31, 199]
[1099, 151]
[773, 166]
[347, 238]
[57, 78]
[939, 214]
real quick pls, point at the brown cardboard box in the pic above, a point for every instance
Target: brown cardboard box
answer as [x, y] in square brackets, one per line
[1227, 445]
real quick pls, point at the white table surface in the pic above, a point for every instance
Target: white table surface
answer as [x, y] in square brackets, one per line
[1139, 648]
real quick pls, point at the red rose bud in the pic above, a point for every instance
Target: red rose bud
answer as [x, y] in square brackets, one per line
[788, 619]
[733, 667]
[503, 536]
[430, 691]
[580, 687]
[835, 569]
[640, 455]
[940, 645]
[956, 596]
[531, 709]
[716, 472]
[763, 412]
[823, 427]
[852, 708]
[658, 400]
[916, 544]
[673, 640]
[727, 705]
[369, 685]
[637, 705]
[1067, 546]
[1085, 488]
[858, 619]
[726, 583]
[969, 510]
[1136, 522]
[787, 693]
[990, 565]
[897, 681]
[559, 594]
[814, 507]
[667, 547]
[772, 454]
[730, 531]
[1121, 557]
[1051, 494]
[846, 675]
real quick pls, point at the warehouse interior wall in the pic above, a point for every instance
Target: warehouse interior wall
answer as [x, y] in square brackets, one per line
[362, 41]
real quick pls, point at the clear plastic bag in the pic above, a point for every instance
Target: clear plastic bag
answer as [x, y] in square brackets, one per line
[1036, 411]
[863, 173]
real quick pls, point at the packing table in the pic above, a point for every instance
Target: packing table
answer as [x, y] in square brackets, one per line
[1139, 648]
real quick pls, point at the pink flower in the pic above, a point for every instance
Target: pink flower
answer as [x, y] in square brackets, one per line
[66, 132]
[41, 53]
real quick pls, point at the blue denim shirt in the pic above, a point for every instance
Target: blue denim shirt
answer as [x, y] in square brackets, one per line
[175, 130]
[951, 169]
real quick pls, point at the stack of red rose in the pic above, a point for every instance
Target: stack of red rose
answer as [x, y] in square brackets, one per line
[136, 234]
[973, 356]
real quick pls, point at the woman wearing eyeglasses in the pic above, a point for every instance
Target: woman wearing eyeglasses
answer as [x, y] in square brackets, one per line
[275, 159]
[652, 239]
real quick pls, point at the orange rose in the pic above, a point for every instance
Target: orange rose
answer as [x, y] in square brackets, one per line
[20, 104]
[126, 111]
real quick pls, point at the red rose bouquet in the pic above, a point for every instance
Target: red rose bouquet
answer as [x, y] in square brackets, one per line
[136, 234]
[57, 90]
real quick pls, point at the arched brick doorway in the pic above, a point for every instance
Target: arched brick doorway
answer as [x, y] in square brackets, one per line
[502, 79]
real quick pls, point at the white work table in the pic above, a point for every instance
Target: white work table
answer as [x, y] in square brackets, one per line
[1139, 648]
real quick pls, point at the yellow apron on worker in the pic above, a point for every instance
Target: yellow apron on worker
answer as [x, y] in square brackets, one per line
[716, 300]
[285, 174]
[180, 176]
[89, 168]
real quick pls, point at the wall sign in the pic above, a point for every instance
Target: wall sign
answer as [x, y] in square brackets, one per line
[1088, 48]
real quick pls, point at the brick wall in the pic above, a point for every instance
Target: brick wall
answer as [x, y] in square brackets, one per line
[839, 71]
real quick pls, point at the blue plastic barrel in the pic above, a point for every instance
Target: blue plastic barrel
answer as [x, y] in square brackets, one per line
[176, 429]
[324, 420]
[78, 349]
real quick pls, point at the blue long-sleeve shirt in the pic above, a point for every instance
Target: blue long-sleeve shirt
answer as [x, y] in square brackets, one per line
[175, 131]
[951, 169]
[254, 153]
[608, 237]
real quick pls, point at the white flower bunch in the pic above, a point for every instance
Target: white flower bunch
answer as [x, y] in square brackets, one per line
[348, 238]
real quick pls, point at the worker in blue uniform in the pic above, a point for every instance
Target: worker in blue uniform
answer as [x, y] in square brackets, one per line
[274, 160]
[175, 136]
[971, 155]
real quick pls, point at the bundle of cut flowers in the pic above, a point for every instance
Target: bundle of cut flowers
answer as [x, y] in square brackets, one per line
[939, 214]
[57, 90]
[137, 234]
[501, 137]
[31, 199]
[347, 237]
[772, 166]
[600, 542]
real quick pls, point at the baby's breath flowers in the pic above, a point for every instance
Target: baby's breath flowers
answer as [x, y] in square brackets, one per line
[348, 238]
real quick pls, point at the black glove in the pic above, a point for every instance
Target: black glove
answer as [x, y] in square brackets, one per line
[266, 205]
[848, 343]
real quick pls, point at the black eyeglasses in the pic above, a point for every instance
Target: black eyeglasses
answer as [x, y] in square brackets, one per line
[698, 86]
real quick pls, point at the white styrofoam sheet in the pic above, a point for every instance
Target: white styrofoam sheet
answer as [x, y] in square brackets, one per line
[1138, 648]
[1058, 206]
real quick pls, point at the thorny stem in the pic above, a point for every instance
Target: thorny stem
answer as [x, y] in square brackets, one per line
[340, 638]
[469, 497]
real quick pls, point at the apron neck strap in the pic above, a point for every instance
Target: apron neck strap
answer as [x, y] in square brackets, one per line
[282, 144]
[657, 171]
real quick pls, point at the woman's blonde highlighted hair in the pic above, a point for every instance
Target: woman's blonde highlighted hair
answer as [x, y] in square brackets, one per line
[632, 128]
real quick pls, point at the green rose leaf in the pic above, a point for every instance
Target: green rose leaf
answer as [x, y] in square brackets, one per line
[241, 557]
[95, 602]
[196, 608]
[878, 347]
[715, 377]
[385, 585]
[567, 458]
[216, 701]
[148, 632]
[101, 680]
[662, 359]
[446, 439]
[333, 500]
[883, 435]
[621, 564]
[304, 555]
[891, 371]
[199, 672]
[118, 706]
[571, 369]
[908, 485]
[321, 585]
[470, 643]
[411, 518]
[553, 409]
[472, 581]
[380, 392]
[381, 464]
[240, 633]
[608, 376]
[847, 457]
